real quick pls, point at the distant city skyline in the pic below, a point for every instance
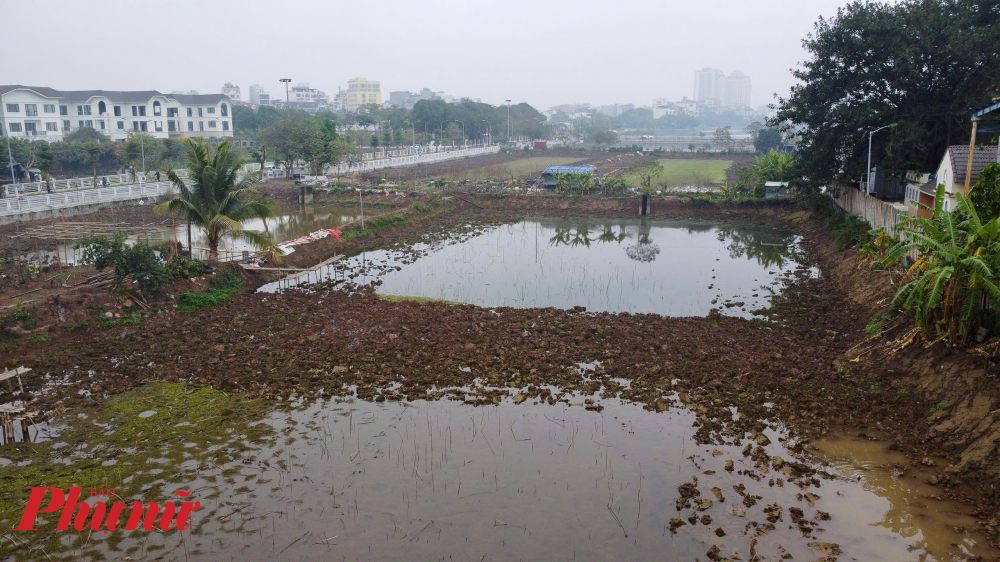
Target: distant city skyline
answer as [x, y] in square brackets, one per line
[655, 64]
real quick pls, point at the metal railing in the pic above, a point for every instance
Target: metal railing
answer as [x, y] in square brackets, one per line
[103, 181]
[45, 201]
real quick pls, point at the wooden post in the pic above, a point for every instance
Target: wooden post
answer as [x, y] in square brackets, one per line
[972, 148]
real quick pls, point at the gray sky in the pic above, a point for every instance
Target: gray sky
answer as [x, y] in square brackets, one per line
[544, 52]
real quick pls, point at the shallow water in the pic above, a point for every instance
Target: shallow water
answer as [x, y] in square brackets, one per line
[444, 480]
[291, 223]
[673, 268]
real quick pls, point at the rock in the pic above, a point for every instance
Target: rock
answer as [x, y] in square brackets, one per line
[218, 348]
[927, 461]
[822, 515]
[777, 462]
[713, 553]
[109, 314]
[701, 504]
[706, 519]
[520, 398]
[688, 490]
[338, 369]
[828, 548]
[719, 532]
[683, 503]
[934, 480]
[718, 494]
[762, 440]
[675, 523]
[773, 512]
[729, 465]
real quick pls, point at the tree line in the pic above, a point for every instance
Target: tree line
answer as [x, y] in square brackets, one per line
[88, 152]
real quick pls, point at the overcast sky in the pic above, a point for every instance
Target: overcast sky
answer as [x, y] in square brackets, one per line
[544, 52]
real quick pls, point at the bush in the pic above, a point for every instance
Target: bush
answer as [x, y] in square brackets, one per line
[221, 289]
[136, 265]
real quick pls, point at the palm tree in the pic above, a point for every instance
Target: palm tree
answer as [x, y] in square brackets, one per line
[217, 199]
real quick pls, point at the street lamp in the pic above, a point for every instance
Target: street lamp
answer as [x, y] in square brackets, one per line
[868, 184]
[508, 121]
[10, 159]
[286, 81]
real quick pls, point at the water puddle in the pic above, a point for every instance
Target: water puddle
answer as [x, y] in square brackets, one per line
[446, 480]
[673, 268]
[896, 495]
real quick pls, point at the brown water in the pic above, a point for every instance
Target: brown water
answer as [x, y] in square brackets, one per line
[448, 481]
[895, 495]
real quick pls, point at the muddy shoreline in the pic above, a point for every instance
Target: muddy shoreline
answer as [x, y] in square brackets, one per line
[794, 366]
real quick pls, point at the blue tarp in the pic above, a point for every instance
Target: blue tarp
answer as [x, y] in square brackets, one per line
[557, 170]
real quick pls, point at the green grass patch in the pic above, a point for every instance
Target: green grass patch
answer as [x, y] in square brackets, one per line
[681, 172]
[139, 457]
[403, 298]
[384, 222]
[517, 168]
[221, 289]
[38, 337]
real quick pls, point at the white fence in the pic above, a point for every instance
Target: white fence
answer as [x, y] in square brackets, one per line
[45, 201]
[878, 213]
[112, 180]
[407, 157]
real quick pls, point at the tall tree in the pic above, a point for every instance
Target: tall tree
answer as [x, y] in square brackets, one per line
[217, 199]
[919, 63]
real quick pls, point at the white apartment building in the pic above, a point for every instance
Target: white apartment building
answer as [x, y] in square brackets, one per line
[709, 84]
[230, 91]
[737, 90]
[259, 96]
[302, 93]
[47, 114]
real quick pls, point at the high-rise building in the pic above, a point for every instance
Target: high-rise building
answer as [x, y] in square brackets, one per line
[259, 96]
[233, 92]
[361, 92]
[709, 84]
[737, 90]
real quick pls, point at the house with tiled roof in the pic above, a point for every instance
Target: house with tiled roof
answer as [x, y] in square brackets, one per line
[42, 113]
[950, 173]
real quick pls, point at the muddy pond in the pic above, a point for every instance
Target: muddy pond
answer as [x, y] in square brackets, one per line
[348, 480]
[672, 268]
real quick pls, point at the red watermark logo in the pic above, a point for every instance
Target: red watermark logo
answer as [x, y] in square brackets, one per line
[103, 518]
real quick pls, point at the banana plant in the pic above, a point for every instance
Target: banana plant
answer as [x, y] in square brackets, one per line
[957, 266]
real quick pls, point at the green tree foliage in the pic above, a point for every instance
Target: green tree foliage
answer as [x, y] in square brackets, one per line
[141, 146]
[479, 118]
[985, 196]
[767, 139]
[773, 166]
[217, 200]
[919, 63]
[723, 139]
[86, 134]
[607, 137]
[136, 266]
[28, 155]
[958, 261]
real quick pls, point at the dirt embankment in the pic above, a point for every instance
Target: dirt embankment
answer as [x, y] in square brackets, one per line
[947, 400]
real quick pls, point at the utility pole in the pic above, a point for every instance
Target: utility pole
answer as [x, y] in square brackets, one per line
[286, 81]
[10, 159]
[508, 121]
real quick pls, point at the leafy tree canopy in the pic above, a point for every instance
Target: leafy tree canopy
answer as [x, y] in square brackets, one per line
[919, 63]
